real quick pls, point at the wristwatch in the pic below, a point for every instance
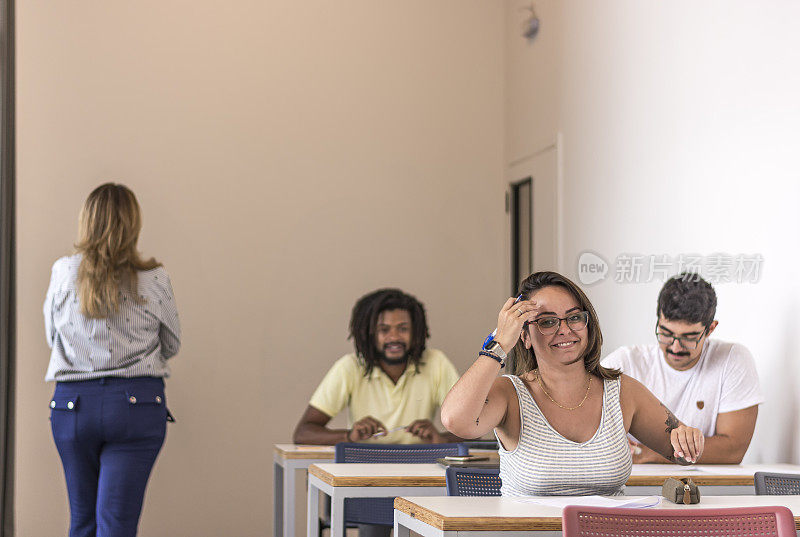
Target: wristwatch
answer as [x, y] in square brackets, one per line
[495, 348]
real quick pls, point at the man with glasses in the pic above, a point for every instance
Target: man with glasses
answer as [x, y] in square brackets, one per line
[706, 383]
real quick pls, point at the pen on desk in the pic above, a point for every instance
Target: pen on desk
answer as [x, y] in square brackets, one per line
[384, 433]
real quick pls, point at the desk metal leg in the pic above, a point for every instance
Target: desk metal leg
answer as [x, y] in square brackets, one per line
[338, 526]
[286, 484]
[399, 529]
[278, 501]
[289, 489]
[338, 495]
[405, 524]
[312, 521]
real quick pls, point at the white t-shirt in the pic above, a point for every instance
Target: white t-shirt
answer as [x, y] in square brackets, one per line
[723, 380]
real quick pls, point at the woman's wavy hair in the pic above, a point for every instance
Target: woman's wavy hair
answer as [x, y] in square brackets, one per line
[364, 321]
[108, 230]
[524, 360]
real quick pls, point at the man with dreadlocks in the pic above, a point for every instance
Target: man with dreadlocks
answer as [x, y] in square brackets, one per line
[392, 384]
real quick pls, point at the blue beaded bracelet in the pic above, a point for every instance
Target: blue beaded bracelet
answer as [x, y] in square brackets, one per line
[493, 357]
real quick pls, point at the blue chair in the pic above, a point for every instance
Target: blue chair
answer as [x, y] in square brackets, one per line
[473, 481]
[380, 511]
[776, 484]
[482, 444]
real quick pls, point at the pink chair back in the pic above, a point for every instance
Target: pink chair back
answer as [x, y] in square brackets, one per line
[582, 521]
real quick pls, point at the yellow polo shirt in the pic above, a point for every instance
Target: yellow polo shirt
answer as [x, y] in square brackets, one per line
[416, 395]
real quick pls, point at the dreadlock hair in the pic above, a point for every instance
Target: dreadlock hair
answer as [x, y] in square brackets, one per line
[364, 320]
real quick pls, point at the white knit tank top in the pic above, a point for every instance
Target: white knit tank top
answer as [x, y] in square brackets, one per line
[545, 463]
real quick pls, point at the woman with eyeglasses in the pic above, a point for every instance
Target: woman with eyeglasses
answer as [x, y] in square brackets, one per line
[560, 417]
[111, 321]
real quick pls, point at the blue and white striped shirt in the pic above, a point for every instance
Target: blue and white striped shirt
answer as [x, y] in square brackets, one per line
[134, 342]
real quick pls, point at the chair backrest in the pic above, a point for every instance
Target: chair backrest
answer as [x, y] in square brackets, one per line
[481, 444]
[406, 453]
[777, 484]
[473, 481]
[583, 521]
[380, 511]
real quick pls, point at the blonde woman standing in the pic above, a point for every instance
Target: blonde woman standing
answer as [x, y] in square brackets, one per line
[111, 322]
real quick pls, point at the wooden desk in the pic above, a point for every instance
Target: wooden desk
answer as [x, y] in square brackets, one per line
[366, 480]
[287, 458]
[454, 516]
[716, 479]
[380, 480]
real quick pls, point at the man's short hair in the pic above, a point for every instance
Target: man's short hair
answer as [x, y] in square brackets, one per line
[689, 298]
[364, 320]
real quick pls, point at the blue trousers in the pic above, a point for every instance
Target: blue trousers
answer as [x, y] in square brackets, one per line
[108, 433]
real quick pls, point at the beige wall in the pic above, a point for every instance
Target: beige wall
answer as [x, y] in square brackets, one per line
[288, 157]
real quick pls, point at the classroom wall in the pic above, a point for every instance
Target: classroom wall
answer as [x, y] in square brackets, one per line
[532, 75]
[288, 158]
[679, 127]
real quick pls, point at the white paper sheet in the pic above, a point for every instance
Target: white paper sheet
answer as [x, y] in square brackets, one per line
[595, 501]
[735, 469]
[723, 469]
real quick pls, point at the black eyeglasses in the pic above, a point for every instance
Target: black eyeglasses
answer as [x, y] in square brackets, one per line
[687, 343]
[549, 325]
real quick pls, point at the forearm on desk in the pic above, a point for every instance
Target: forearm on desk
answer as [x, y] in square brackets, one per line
[722, 449]
[314, 434]
[719, 449]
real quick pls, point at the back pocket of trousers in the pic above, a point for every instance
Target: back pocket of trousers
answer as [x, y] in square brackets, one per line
[64, 416]
[147, 412]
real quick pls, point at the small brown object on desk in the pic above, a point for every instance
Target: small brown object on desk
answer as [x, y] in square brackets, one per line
[680, 491]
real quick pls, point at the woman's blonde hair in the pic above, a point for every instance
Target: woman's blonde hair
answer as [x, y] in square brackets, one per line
[108, 230]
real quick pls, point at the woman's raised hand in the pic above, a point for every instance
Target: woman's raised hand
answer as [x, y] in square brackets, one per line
[511, 319]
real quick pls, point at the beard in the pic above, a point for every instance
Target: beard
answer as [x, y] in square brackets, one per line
[393, 361]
